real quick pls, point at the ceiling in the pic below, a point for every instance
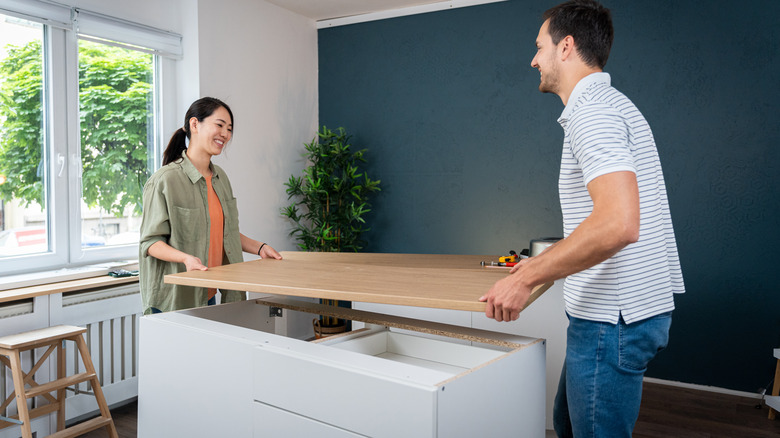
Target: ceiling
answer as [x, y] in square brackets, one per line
[329, 9]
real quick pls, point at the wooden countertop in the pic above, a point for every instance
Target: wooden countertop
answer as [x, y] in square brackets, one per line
[436, 281]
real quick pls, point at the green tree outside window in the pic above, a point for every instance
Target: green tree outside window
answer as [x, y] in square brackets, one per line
[115, 90]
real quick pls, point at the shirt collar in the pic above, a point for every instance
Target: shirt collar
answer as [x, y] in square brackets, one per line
[579, 90]
[191, 172]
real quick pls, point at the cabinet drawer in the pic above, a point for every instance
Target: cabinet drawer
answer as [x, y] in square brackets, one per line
[381, 383]
[273, 422]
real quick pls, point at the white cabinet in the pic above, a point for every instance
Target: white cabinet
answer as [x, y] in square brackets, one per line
[545, 318]
[379, 381]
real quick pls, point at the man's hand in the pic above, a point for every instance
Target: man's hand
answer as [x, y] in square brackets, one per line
[507, 297]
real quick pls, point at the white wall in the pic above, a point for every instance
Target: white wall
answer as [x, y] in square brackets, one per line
[262, 61]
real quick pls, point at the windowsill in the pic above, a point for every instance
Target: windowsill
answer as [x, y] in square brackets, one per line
[22, 286]
[65, 286]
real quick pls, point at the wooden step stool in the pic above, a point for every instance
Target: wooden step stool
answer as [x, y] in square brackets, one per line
[53, 338]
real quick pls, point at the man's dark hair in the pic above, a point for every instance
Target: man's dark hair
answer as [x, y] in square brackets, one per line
[589, 23]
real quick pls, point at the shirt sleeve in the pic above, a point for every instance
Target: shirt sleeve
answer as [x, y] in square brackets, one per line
[600, 142]
[155, 225]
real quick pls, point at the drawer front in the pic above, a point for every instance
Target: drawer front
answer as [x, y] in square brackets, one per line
[272, 422]
[355, 399]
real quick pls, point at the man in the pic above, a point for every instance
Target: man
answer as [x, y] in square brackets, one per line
[619, 254]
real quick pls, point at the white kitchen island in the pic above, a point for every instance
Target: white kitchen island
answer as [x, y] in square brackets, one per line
[222, 371]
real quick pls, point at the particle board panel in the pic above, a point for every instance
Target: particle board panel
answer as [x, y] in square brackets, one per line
[433, 281]
[432, 328]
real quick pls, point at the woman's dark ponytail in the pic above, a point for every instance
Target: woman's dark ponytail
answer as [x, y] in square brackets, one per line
[200, 109]
[176, 146]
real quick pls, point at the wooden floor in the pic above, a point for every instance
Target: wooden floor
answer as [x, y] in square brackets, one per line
[126, 422]
[669, 411]
[666, 411]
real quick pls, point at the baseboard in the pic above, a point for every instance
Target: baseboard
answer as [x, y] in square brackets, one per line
[703, 388]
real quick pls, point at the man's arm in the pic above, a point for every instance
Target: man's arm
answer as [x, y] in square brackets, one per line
[611, 226]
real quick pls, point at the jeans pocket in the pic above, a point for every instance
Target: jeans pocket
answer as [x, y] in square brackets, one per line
[641, 341]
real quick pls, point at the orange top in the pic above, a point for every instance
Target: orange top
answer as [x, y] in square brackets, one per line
[215, 230]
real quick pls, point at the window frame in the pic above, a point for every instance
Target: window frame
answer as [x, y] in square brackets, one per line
[114, 252]
[62, 142]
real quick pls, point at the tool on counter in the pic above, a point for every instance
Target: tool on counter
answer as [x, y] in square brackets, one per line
[511, 258]
[497, 264]
[537, 246]
[122, 273]
[503, 261]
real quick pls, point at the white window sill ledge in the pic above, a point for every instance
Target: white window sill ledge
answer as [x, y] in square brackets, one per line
[60, 275]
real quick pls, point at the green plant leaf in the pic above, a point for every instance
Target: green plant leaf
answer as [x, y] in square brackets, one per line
[330, 199]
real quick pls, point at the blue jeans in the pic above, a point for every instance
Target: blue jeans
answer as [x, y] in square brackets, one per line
[601, 382]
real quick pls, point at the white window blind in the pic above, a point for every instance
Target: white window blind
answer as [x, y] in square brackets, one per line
[107, 30]
[52, 14]
[94, 26]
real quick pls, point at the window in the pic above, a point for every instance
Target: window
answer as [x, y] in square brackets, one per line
[23, 186]
[116, 107]
[80, 133]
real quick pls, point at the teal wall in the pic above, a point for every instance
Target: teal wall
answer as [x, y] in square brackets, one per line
[468, 150]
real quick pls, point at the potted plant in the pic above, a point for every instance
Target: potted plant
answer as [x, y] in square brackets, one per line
[330, 201]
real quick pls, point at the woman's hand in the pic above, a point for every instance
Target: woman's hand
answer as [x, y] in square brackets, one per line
[165, 252]
[253, 246]
[267, 252]
[193, 263]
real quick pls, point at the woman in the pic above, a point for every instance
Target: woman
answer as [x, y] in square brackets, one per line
[190, 219]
